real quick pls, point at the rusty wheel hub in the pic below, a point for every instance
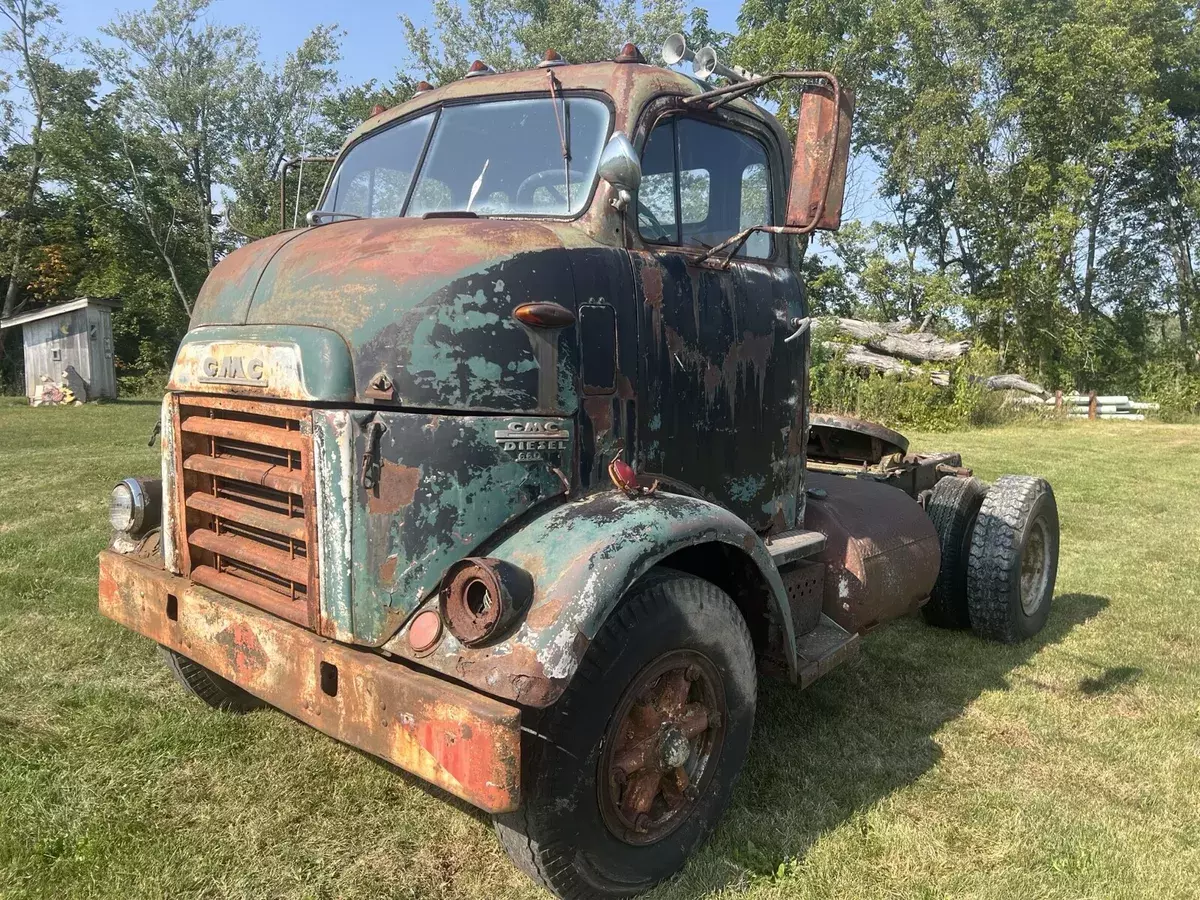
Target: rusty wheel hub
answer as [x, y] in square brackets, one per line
[662, 746]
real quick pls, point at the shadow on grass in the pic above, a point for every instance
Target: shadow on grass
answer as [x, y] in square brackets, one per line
[822, 755]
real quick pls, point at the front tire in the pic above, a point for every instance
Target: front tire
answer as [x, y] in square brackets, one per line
[207, 685]
[1014, 559]
[633, 766]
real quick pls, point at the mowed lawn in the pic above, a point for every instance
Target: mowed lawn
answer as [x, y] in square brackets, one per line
[935, 766]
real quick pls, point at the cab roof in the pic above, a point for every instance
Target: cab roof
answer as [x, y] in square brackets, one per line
[629, 84]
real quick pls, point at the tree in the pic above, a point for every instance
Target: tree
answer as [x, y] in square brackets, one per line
[29, 41]
[177, 80]
[513, 34]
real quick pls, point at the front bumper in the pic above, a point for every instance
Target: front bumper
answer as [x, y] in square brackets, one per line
[462, 741]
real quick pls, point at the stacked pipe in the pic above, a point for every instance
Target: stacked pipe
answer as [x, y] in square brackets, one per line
[1093, 406]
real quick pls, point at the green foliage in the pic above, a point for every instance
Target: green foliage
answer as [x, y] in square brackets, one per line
[1176, 392]
[835, 387]
[513, 34]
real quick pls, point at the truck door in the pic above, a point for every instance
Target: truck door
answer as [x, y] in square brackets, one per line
[719, 387]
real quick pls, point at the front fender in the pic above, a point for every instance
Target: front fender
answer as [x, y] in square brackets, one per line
[583, 556]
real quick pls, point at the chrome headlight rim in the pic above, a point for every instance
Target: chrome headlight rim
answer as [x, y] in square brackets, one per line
[140, 508]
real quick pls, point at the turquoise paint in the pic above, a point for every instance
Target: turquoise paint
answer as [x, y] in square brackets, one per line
[745, 489]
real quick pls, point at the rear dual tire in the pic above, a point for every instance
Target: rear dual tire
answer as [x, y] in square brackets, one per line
[1014, 559]
[999, 549]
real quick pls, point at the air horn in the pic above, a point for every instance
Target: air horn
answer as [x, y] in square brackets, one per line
[704, 61]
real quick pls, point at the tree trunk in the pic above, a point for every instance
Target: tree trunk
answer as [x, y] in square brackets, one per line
[11, 306]
[918, 346]
[1012, 383]
[1089, 273]
[862, 358]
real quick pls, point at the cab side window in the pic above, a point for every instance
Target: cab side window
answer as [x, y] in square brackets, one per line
[703, 183]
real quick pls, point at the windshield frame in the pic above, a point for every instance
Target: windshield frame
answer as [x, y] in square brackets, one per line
[435, 110]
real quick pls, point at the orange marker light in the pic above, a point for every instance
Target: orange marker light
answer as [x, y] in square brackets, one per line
[544, 315]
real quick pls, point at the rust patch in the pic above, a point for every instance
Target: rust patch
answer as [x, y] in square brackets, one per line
[456, 738]
[397, 487]
[544, 614]
[243, 649]
[387, 572]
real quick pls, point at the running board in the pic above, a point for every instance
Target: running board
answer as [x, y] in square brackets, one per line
[824, 648]
[789, 546]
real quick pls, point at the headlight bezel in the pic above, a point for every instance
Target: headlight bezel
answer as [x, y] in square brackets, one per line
[138, 502]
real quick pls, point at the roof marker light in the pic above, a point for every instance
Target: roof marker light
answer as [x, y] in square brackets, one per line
[423, 87]
[479, 67]
[377, 109]
[631, 54]
[551, 58]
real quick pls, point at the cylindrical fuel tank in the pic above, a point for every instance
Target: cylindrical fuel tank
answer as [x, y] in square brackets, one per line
[881, 551]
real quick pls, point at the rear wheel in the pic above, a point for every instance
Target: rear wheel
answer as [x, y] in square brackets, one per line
[210, 687]
[631, 769]
[1014, 559]
[953, 505]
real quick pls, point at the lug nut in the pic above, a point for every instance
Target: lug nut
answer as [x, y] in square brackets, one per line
[642, 823]
[692, 673]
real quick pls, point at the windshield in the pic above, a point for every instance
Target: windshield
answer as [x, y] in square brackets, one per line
[497, 158]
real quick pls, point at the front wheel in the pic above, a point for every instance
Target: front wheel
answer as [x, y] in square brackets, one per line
[631, 769]
[207, 685]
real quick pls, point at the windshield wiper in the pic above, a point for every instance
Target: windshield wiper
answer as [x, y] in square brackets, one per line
[564, 133]
[314, 216]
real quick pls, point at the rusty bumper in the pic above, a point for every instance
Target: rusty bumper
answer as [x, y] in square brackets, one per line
[455, 738]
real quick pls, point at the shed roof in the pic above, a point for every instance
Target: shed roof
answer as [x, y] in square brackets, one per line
[58, 309]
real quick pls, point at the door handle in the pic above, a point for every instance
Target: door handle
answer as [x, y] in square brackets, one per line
[801, 326]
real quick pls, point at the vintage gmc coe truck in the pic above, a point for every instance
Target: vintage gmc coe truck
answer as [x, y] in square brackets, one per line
[501, 469]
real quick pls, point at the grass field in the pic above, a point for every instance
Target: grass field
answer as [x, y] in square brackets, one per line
[935, 766]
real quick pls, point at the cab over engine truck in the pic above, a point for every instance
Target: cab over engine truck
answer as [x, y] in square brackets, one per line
[501, 469]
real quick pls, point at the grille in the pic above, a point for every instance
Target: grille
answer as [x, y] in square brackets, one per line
[246, 501]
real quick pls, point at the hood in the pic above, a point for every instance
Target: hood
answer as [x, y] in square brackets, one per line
[424, 307]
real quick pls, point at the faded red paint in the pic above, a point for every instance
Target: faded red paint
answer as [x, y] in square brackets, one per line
[462, 741]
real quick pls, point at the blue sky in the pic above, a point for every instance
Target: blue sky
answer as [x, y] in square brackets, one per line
[373, 46]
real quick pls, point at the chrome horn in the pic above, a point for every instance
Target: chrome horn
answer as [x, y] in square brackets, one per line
[675, 49]
[705, 63]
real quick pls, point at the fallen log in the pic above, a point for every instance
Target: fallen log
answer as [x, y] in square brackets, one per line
[862, 358]
[916, 346]
[1011, 383]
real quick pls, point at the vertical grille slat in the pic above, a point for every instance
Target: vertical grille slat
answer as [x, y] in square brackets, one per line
[246, 491]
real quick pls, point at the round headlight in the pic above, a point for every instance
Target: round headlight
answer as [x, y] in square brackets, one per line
[135, 506]
[121, 513]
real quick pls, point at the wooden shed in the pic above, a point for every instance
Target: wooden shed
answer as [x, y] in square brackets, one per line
[77, 335]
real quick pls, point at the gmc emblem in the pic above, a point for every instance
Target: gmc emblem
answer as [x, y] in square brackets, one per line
[234, 370]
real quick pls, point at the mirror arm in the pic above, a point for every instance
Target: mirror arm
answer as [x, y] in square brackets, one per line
[710, 100]
[288, 165]
[734, 244]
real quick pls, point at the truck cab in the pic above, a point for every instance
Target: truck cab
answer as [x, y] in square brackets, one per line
[497, 469]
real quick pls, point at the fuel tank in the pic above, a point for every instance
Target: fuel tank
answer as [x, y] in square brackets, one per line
[881, 553]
